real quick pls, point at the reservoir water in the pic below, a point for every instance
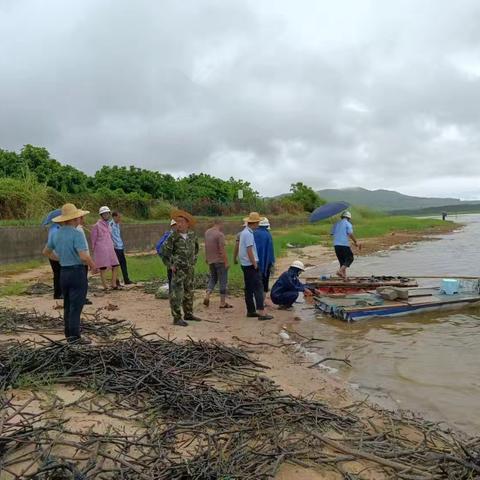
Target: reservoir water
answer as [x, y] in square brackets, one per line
[429, 363]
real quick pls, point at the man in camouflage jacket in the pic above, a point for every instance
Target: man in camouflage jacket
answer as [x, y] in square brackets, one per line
[180, 253]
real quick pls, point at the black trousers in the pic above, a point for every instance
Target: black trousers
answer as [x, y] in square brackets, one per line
[253, 289]
[57, 289]
[123, 264]
[74, 286]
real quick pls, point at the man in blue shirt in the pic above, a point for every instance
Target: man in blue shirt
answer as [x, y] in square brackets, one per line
[248, 258]
[70, 249]
[119, 246]
[286, 289]
[342, 233]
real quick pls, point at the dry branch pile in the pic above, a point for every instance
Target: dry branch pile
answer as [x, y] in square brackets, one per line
[196, 410]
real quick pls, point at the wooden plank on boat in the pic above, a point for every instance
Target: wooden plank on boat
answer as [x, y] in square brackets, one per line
[358, 308]
[361, 282]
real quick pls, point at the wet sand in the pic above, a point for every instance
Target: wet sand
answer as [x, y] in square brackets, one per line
[286, 366]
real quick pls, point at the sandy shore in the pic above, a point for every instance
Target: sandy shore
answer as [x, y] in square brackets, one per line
[261, 339]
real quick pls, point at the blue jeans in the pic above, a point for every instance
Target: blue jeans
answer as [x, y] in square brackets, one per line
[218, 274]
[74, 287]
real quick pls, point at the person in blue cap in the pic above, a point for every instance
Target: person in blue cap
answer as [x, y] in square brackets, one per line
[286, 289]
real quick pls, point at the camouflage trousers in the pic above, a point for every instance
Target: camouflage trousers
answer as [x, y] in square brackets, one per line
[181, 293]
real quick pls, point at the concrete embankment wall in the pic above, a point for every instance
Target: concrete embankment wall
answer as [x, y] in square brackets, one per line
[20, 244]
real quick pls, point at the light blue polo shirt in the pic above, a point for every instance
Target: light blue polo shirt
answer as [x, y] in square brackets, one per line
[116, 235]
[67, 243]
[341, 231]
[246, 240]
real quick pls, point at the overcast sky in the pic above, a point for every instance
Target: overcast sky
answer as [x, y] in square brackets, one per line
[379, 94]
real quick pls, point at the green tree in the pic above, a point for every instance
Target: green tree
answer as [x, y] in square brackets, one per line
[305, 196]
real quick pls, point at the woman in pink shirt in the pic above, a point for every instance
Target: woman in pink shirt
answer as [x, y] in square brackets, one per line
[102, 247]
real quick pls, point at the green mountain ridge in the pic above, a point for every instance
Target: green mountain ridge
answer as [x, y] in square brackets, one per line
[388, 200]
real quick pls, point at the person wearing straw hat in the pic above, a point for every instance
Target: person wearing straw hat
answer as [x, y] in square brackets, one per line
[180, 253]
[248, 257]
[342, 233]
[286, 289]
[103, 249]
[70, 248]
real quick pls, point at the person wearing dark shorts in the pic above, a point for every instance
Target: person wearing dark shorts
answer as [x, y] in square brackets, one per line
[216, 257]
[342, 233]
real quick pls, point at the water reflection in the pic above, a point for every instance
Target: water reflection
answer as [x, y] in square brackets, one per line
[429, 362]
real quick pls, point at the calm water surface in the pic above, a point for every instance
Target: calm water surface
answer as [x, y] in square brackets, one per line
[429, 363]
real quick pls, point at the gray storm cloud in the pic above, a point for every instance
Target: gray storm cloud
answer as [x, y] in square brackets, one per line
[347, 93]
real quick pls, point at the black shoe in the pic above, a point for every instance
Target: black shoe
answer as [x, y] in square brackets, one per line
[252, 314]
[193, 318]
[88, 302]
[128, 282]
[265, 317]
[180, 323]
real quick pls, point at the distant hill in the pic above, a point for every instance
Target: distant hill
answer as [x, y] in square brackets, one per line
[464, 207]
[387, 200]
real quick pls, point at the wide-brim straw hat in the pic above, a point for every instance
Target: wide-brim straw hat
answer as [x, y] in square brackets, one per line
[254, 217]
[182, 213]
[70, 212]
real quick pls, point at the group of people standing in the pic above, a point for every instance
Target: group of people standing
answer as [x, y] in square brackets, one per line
[254, 251]
[69, 254]
[68, 251]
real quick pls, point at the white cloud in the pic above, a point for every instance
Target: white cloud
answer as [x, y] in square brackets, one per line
[334, 94]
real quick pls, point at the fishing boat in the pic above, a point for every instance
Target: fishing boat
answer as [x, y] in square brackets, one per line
[364, 305]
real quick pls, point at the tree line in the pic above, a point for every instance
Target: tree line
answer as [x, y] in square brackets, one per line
[145, 193]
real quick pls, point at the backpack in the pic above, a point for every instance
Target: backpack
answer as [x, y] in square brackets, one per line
[161, 242]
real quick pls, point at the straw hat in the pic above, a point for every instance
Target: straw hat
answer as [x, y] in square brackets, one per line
[346, 214]
[69, 212]
[298, 264]
[254, 217]
[182, 213]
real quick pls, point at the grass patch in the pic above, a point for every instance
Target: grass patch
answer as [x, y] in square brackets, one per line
[13, 288]
[21, 267]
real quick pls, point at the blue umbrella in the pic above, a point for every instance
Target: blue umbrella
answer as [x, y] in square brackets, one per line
[328, 210]
[50, 216]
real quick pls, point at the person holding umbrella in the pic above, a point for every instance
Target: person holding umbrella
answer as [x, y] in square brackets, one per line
[70, 249]
[342, 233]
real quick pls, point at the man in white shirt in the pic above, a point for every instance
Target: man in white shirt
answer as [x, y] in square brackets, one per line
[248, 258]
